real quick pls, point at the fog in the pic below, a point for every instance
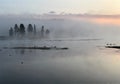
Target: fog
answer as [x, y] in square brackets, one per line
[86, 61]
[61, 26]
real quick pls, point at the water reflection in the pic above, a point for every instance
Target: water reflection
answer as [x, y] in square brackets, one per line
[83, 64]
[86, 61]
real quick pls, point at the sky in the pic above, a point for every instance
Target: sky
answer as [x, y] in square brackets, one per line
[107, 7]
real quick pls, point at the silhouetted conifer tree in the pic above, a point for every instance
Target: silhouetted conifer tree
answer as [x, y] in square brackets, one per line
[42, 31]
[30, 28]
[16, 29]
[47, 31]
[22, 29]
[11, 31]
[34, 29]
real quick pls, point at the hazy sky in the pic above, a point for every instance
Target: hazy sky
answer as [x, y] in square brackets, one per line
[67, 6]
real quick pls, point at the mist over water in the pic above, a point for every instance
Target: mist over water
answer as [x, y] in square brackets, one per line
[86, 61]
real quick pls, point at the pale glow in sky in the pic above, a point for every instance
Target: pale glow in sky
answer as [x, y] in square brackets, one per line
[67, 6]
[111, 21]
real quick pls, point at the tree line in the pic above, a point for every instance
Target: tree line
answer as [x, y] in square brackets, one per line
[21, 30]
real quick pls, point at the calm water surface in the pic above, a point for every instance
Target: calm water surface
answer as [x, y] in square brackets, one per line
[86, 61]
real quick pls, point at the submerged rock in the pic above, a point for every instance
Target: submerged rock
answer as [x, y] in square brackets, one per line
[22, 62]
[117, 47]
[10, 55]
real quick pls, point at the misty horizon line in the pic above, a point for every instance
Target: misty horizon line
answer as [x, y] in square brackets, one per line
[64, 15]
